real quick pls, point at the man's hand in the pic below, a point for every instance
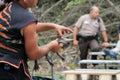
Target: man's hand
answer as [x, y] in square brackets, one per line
[105, 44]
[75, 42]
[61, 30]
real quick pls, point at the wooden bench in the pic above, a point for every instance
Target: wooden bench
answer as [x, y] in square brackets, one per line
[101, 53]
[104, 74]
[105, 62]
[97, 53]
[112, 44]
[100, 61]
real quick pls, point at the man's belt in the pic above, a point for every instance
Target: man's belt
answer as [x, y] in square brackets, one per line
[86, 37]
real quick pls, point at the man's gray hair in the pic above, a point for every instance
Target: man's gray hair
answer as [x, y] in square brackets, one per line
[92, 8]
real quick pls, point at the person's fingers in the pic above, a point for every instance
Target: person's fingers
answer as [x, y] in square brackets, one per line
[56, 46]
[69, 30]
[56, 49]
[60, 33]
[64, 30]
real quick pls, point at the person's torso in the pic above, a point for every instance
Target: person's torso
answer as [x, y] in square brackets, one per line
[12, 51]
[12, 19]
[89, 26]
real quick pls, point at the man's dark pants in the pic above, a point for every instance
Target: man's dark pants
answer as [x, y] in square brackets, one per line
[84, 46]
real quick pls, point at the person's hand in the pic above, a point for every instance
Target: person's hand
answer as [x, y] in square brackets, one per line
[61, 30]
[55, 46]
[105, 44]
[75, 42]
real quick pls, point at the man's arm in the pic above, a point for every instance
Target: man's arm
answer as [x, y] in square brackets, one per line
[119, 35]
[104, 34]
[78, 25]
[75, 31]
[105, 43]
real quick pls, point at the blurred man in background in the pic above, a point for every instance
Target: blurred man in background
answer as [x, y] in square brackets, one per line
[86, 29]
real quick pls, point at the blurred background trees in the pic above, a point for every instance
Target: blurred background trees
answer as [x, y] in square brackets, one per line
[67, 12]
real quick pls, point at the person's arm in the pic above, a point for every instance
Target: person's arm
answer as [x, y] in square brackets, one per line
[78, 25]
[105, 38]
[45, 26]
[119, 35]
[104, 34]
[32, 49]
[75, 31]
[49, 26]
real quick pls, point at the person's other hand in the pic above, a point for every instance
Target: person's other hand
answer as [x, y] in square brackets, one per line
[105, 44]
[61, 30]
[55, 46]
[75, 42]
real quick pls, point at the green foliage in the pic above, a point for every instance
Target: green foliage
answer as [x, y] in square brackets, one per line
[102, 10]
[40, 42]
[74, 2]
[59, 77]
[66, 7]
[72, 66]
